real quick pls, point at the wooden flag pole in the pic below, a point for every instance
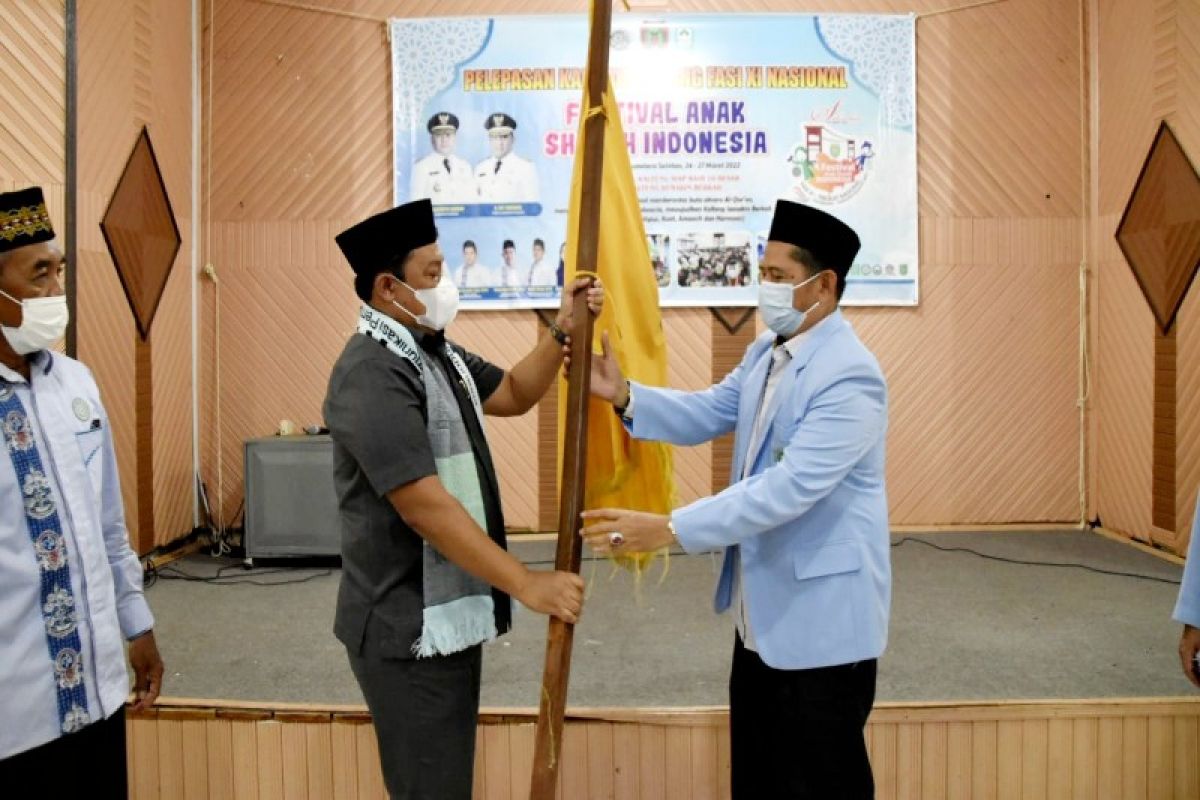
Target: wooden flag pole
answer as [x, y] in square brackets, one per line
[548, 739]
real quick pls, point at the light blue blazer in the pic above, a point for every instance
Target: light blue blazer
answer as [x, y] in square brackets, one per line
[1187, 607]
[810, 519]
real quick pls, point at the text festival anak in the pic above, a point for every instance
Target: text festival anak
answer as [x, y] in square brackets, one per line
[664, 127]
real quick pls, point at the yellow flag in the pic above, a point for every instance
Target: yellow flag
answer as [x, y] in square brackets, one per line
[621, 472]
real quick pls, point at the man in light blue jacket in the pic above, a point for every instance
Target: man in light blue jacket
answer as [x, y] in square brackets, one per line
[1187, 607]
[803, 524]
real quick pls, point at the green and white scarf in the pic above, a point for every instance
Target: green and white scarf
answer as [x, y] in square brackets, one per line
[459, 610]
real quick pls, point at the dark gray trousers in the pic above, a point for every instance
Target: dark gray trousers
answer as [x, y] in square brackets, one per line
[425, 712]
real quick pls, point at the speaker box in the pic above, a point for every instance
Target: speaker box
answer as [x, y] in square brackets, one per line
[291, 506]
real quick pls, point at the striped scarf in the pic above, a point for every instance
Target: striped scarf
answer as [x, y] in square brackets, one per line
[458, 609]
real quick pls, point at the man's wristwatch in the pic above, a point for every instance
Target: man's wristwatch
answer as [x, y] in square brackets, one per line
[558, 333]
[674, 535]
[620, 409]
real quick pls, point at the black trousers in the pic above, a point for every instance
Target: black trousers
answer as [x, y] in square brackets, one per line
[425, 711]
[799, 733]
[89, 763]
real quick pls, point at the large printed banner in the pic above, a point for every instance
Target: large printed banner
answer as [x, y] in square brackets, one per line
[722, 115]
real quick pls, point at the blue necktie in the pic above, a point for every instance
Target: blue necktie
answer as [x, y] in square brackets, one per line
[50, 549]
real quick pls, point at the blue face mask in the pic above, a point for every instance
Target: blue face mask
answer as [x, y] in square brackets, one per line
[775, 306]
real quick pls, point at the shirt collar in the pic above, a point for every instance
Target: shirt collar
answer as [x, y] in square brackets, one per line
[429, 342]
[793, 345]
[43, 360]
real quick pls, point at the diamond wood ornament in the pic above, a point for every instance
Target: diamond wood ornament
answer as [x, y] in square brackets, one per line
[140, 231]
[143, 239]
[1159, 232]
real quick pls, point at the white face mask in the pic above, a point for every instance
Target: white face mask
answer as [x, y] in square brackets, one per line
[441, 303]
[43, 323]
[775, 306]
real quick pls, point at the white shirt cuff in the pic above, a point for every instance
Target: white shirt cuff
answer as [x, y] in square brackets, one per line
[134, 615]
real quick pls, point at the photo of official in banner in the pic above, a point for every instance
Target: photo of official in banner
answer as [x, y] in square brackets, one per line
[442, 176]
[722, 117]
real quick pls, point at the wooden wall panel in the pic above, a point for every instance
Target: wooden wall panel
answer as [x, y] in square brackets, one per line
[106, 340]
[172, 354]
[134, 71]
[165, 99]
[689, 366]
[547, 459]
[1184, 116]
[106, 345]
[985, 423]
[504, 338]
[1162, 502]
[729, 343]
[1187, 435]
[105, 326]
[967, 421]
[33, 102]
[975, 70]
[1146, 62]
[282, 312]
[1124, 399]
[1053, 750]
[33, 99]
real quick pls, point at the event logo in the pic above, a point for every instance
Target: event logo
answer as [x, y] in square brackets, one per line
[655, 36]
[828, 166]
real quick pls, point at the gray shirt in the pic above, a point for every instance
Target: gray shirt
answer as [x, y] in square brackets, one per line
[376, 413]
